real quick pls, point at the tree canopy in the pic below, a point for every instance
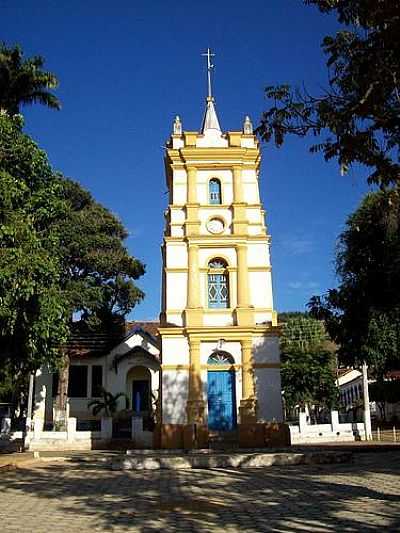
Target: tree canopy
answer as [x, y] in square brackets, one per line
[357, 117]
[308, 365]
[24, 82]
[363, 314]
[60, 253]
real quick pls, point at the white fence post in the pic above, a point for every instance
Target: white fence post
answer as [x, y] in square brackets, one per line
[335, 421]
[71, 428]
[303, 422]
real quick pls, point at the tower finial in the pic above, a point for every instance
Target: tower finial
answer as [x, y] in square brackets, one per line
[210, 66]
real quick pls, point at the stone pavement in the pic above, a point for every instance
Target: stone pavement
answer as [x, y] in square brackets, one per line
[71, 497]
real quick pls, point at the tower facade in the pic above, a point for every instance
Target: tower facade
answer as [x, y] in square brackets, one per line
[220, 350]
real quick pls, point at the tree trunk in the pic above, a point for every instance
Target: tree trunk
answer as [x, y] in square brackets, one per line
[60, 409]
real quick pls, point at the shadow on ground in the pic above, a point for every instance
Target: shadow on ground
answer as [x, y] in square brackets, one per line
[364, 496]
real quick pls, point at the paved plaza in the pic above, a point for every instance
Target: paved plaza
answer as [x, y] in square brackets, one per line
[72, 496]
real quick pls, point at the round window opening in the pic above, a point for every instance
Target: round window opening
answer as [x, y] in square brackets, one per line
[215, 225]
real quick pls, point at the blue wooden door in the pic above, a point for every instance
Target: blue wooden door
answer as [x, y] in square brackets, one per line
[221, 400]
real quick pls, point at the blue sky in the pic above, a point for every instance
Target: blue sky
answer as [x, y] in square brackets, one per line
[126, 68]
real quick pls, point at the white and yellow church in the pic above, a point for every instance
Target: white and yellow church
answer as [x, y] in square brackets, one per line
[212, 366]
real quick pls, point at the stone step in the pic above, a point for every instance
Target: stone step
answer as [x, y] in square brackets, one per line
[158, 461]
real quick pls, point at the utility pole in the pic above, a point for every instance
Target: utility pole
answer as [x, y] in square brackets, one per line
[366, 412]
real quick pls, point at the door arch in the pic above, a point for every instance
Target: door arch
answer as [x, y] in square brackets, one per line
[221, 392]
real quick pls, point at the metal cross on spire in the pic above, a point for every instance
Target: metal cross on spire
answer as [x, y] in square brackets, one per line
[210, 66]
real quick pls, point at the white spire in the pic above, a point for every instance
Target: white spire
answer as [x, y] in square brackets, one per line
[210, 120]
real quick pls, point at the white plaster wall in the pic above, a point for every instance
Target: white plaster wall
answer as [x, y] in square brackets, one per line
[260, 289]
[175, 351]
[264, 316]
[257, 254]
[210, 212]
[254, 215]
[177, 215]
[207, 348]
[250, 186]
[179, 193]
[176, 255]
[268, 389]
[174, 396]
[225, 177]
[175, 318]
[266, 349]
[176, 290]
[211, 138]
[255, 229]
[228, 253]
[218, 319]
[177, 142]
[247, 142]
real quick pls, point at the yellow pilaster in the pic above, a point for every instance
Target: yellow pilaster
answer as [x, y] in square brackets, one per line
[237, 185]
[193, 312]
[191, 185]
[244, 313]
[195, 403]
[247, 407]
[240, 222]
[243, 282]
[192, 225]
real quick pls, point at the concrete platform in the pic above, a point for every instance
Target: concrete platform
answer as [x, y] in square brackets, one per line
[173, 461]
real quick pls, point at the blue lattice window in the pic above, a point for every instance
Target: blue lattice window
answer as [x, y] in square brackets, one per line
[218, 287]
[214, 191]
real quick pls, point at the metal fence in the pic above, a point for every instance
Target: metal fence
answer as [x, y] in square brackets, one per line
[386, 435]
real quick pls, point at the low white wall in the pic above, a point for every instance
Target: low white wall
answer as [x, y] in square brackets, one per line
[71, 439]
[318, 433]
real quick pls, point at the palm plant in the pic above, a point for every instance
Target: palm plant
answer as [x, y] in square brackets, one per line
[108, 403]
[22, 81]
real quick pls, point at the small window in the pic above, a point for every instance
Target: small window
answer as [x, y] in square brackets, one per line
[218, 288]
[77, 385]
[214, 191]
[97, 380]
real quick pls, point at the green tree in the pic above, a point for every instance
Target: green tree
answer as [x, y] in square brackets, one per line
[362, 315]
[24, 82]
[356, 118]
[308, 365]
[60, 253]
[33, 319]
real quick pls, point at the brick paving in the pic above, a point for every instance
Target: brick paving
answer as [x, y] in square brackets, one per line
[78, 497]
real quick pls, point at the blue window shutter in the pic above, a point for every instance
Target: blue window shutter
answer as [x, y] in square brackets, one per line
[214, 191]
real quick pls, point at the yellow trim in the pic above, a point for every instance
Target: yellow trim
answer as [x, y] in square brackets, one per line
[259, 269]
[224, 238]
[229, 333]
[175, 367]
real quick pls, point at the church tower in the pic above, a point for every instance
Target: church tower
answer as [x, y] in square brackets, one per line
[220, 350]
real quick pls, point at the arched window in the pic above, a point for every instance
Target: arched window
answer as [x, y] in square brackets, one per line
[218, 287]
[214, 191]
[220, 358]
